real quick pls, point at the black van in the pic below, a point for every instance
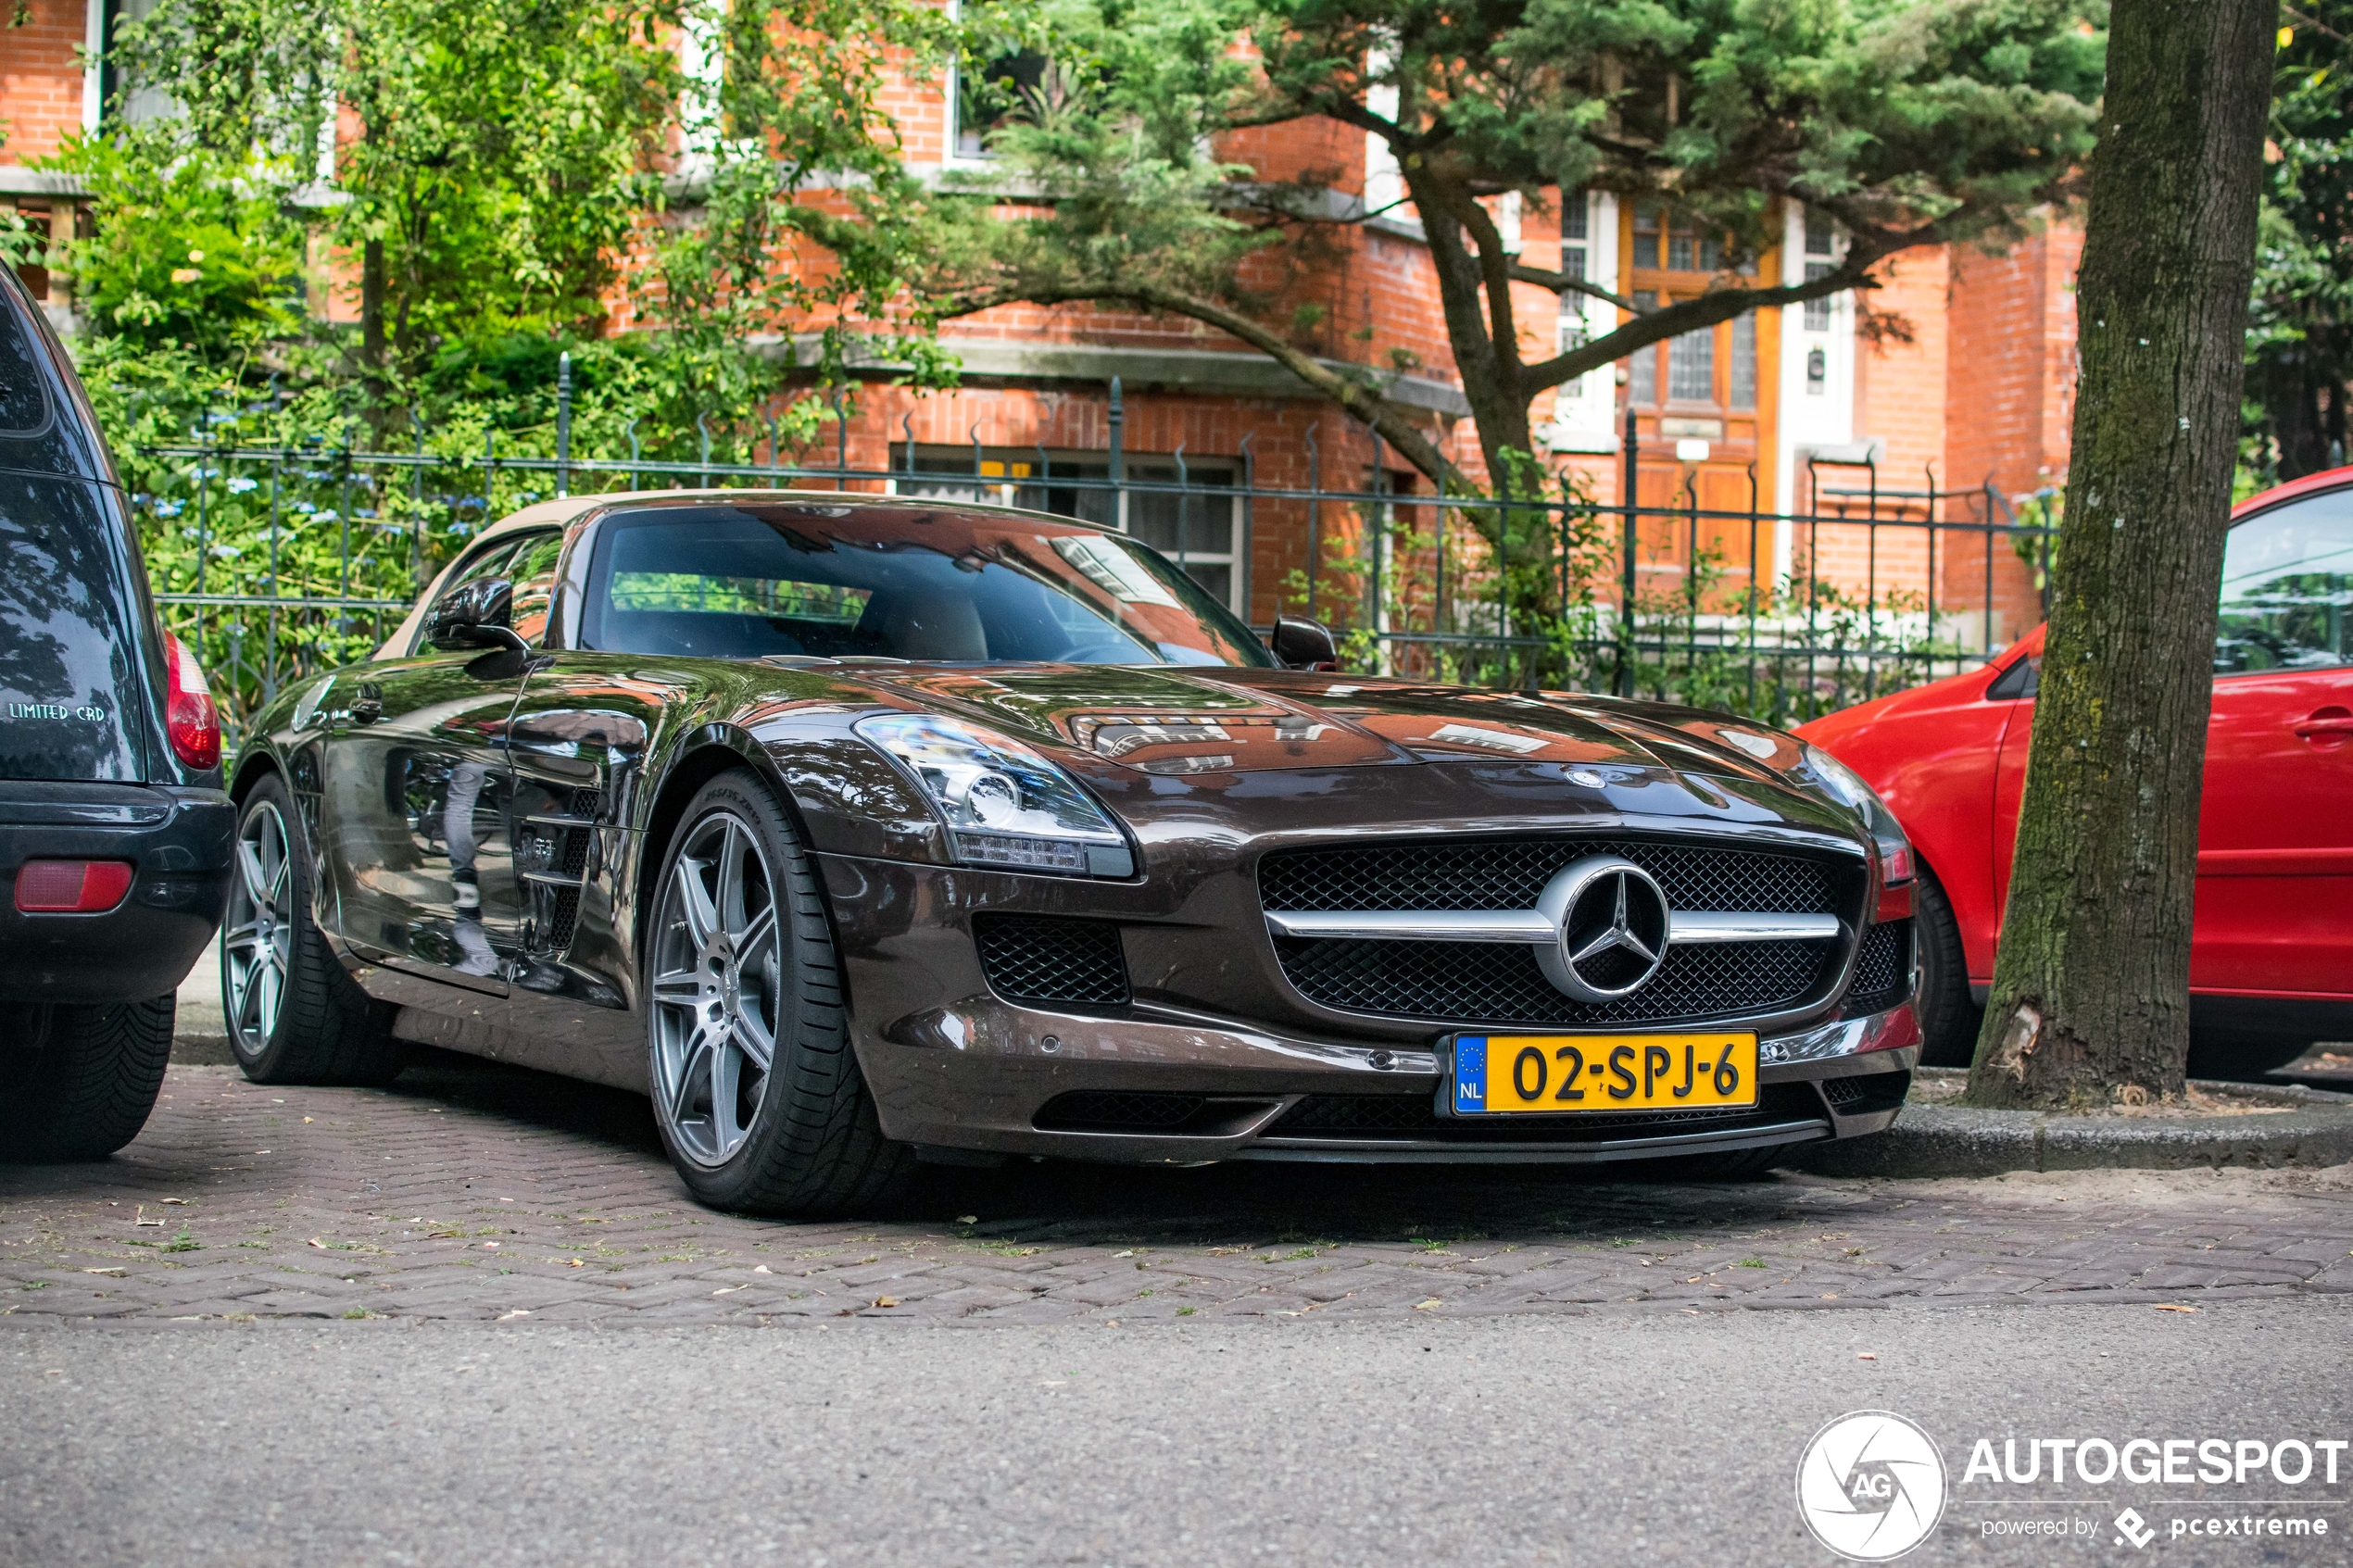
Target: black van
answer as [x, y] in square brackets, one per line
[114, 829]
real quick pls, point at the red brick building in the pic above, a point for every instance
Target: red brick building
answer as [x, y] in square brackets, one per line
[1962, 379]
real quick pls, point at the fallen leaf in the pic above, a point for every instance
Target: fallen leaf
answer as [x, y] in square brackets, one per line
[763, 1269]
[1129, 1253]
[1693, 1280]
[968, 1219]
[2171, 1307]
[316, 1243]
[1865, 1356]
[1426, 1306]
[578, 1264]
[175, 1201]
[306, 1121]
[491, 1246]
[731, 1290]
[517, 1312]
[886, 1301]
[110, 1274]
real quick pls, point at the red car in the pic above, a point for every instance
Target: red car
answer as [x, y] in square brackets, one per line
[2272, 950]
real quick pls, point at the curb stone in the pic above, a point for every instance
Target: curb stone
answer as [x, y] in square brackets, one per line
[1951, 1140]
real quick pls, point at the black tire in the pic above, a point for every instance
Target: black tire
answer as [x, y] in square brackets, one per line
[82, 1080]
[813, 1146]
[2241, 1055]
[1949, 1018]
[326, 1029]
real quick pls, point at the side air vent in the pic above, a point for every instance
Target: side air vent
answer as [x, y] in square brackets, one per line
[1884, 969]
[1050, 960]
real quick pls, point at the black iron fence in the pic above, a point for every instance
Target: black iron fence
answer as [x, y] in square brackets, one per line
[274, 561]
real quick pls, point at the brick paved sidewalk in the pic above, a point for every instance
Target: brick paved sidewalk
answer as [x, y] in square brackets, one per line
[468, 1190]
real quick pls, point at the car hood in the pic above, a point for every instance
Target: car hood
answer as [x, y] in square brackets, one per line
[1150, 738]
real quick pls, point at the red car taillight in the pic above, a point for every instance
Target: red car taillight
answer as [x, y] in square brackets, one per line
[71, 887]
[189, 715]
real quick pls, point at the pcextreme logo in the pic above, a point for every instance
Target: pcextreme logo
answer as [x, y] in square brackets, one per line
[1870, 1485]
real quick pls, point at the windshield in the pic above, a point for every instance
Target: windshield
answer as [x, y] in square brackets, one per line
[894, 581]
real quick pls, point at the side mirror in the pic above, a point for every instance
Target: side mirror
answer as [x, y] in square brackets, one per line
[1298, 642]
[476, 615]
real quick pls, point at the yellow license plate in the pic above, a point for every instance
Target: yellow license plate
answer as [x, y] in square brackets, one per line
[1571, 1073]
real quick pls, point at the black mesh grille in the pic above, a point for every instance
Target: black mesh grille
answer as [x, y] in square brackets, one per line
[1413, 1117]
[1499, 983]
[1107, 1111]
[1045, 959]
[1884, 972]
[1498, 874]
[1869, 1093]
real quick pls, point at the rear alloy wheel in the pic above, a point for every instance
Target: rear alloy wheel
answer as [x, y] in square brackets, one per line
[294, 1016]
[755, 1086]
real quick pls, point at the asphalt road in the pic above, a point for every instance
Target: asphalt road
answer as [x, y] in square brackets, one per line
[1522, 1438]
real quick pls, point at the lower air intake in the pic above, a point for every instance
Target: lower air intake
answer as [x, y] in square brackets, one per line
[1049, 959]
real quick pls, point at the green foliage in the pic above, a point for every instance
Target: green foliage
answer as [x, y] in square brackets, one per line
[1909, 122]
[195, 250]
[2300, 326]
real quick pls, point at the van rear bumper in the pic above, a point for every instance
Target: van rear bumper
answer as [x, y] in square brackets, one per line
[178, 839]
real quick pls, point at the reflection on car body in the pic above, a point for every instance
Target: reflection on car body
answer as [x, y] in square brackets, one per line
[858, 832]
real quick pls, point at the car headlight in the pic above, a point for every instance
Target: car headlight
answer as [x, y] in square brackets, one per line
[1004, 804]
[1845, 785]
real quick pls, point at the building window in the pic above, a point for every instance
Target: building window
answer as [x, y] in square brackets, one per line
[1647, 236]
[987, 97]
[1642, 385]
[1821, 250]
[1199, 529]
[1745, 361]
[1691, 367]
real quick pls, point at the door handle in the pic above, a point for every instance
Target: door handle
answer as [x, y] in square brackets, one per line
[2327, 726]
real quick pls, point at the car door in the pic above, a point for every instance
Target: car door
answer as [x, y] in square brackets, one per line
[2276, 839]
[418, 790]
[2275, 833]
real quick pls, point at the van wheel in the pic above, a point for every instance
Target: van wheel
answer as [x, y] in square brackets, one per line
[756, 1089]
[82, 1079]
[1949, 1018]
[294, 1016]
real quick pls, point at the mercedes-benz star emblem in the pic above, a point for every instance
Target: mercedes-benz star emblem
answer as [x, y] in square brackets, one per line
[1612, 918]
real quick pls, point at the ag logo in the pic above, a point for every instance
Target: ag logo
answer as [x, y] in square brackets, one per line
[1870, 1485]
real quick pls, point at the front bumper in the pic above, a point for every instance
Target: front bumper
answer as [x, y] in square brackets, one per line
[954, 1067]
[177, 838]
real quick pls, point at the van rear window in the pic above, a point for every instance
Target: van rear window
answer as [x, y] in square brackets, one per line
[70, 697]
[24, 402]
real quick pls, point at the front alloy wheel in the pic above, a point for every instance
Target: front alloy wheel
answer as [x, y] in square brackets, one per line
[716, 987]
[755, 1087]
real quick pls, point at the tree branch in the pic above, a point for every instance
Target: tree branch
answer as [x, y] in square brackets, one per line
[1352, 395]
[1561, 283]
[1717, 305]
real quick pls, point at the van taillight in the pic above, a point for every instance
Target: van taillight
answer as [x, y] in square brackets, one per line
[71, 887]
[190, 716]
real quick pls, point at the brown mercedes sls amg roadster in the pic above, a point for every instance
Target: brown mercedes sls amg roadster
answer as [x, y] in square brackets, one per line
[859, 831]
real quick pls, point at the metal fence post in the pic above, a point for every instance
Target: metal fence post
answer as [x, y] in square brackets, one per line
[1249, 483]
[563, 423]
[1632, 455]
[1118, 466]
[1314, 516]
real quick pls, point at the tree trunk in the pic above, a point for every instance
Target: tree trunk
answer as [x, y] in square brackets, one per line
[371, 331]
[2090, 986]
